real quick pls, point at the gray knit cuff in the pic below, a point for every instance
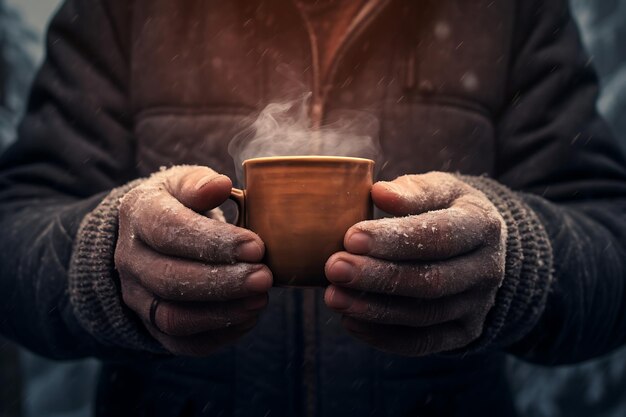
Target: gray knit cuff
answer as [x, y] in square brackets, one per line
[521, 299]
[94, 285]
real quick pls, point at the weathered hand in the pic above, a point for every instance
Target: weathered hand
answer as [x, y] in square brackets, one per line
[206, 273]
[423, 283]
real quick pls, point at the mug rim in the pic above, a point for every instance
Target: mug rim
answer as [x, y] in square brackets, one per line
[312, 158]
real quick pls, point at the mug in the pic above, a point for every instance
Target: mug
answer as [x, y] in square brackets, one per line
[301, 207]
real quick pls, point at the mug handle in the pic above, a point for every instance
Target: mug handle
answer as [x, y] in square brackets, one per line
[239, 197]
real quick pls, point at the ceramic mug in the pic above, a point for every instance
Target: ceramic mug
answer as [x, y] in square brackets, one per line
[301, 207]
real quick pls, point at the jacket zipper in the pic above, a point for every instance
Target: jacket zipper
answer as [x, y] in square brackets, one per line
[317, 110]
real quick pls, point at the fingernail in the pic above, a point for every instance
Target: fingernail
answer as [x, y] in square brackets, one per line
[255, 303]
[202, 182]
[249, 251]
[359, 243]
[259, 281]
[338, 300]
[340, 272]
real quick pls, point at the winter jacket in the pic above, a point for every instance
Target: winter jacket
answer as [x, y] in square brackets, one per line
[499, 91]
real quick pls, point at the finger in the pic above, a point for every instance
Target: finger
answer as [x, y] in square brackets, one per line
[435, 235]
[411, 341]
[419, 280]
[416, 194]
[161, 221]
[204, 344]
[404, 311]
[186, 319]
[179, 279]
[181, 320]
[199, 188]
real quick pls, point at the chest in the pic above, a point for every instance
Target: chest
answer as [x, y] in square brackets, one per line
[433, 73]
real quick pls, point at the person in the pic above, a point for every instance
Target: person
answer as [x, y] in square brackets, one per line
[506, 190]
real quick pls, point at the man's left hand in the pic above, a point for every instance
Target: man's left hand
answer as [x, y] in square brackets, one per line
[422, 283]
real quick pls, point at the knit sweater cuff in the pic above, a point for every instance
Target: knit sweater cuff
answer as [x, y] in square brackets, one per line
[521, 299]
[94, 285]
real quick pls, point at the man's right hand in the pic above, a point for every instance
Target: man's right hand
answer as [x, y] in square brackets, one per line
[204, 273]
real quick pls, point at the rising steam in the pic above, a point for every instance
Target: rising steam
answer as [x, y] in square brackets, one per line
[284, 129]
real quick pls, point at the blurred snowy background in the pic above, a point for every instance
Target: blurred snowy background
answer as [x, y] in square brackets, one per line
[596, 388]
[31, 386]
[34, 387]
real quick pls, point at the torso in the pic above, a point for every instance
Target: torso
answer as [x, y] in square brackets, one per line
[409, 66]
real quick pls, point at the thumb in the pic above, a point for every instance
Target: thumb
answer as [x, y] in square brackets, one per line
[416, 194]
[199, 188]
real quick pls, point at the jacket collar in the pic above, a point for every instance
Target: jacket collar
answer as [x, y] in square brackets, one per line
[322, 84]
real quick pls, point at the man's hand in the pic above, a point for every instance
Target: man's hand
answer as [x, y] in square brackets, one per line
[424, 283]
[205, 274]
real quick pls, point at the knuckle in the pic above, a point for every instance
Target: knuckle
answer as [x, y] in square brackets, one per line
[481, 313]
[128, 301]
[431, 314]
[493, 272]
[133, 204]
[166, 290]
[165, 287]
[161, 279]
[443, 230]
[182, 176]
[157, 230]
[493, 224]
[421, 345]
[438, 177]
[224, 283]
[494, 278]
[386, 309]
[433, 282]
[473, 334]
[472, 330]
[167, 320]
[381, 311]
[128, 201]
[222, 240]
[387, 277]
[128, 296]
[238, 235]
[121, 259]
[132, 298]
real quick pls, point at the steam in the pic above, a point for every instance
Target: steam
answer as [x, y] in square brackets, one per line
[284, 129]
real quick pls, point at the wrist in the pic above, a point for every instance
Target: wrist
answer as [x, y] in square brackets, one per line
[93, 283]
[521, 298]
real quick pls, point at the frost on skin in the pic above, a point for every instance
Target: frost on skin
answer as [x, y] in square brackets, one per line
[422, 282]
[206, 272]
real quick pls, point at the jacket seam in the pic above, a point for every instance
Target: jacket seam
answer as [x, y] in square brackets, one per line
[188, 110]
[455, 102]
[121, 46]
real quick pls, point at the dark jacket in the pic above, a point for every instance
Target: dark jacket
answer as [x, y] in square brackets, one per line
[500, 88]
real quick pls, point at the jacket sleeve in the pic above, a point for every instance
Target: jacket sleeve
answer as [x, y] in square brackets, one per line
[566, 166]
[74, 146]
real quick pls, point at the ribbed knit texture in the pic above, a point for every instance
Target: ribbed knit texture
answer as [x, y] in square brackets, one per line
[94, 285]
[522, 296]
